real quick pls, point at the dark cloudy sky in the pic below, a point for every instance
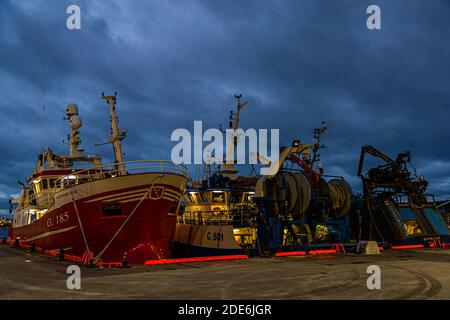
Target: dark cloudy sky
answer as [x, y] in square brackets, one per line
[173, 62]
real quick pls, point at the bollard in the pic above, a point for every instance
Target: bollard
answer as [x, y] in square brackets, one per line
[16, 243]
[33, 247]
[124, 264]
[4, 241]
[61, 254]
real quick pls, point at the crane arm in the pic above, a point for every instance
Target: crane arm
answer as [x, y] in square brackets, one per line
[373, 152]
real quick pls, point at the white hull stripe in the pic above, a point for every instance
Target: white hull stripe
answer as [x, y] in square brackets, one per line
[125, 197]
[129, 194]
[115, 195]
[171, 198]
[131, 200]
[50, 233]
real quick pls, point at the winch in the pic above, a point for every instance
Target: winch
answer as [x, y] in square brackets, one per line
[299, 205]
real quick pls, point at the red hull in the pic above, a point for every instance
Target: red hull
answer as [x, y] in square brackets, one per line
[147, 235]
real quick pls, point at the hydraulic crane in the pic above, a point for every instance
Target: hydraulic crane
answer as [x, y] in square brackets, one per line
[395, 206]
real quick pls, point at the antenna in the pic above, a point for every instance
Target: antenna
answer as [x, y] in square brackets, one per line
[318, 132]
[44, 111]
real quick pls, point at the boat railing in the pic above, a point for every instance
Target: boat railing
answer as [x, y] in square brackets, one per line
[404, 198]
[236, 217]
[42, 198]
[116, 169]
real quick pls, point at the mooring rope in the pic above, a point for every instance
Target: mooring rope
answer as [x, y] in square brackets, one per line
[79, 222]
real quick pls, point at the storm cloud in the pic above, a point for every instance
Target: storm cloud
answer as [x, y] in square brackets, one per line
[173, 62]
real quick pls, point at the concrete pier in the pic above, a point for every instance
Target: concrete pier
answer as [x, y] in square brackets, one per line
[405, 274]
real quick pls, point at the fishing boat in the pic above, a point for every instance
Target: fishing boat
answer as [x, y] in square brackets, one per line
[218, 216]
[217, 219]
[295, 207]
[124, 211]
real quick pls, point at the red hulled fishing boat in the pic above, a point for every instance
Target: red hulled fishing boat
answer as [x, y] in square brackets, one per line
[100, 212]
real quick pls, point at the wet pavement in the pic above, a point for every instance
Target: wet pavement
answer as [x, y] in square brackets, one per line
[405, 274]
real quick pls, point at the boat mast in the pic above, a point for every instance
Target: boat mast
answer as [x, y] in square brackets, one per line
[228, 169]
[116, 135]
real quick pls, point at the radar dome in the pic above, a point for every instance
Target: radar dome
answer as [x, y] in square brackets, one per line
[75, 122]
[72, 109]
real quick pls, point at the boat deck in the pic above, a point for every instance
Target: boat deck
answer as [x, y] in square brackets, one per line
[405, 274]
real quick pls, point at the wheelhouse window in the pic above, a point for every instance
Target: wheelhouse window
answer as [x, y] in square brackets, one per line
[236, 197]
[248, 196]
[37, 186]
[23, 218]
[186, 199]
[112, 210]
[192, 197]
[31, 216]
[218, 196]
[203, 197]
[52, 183]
